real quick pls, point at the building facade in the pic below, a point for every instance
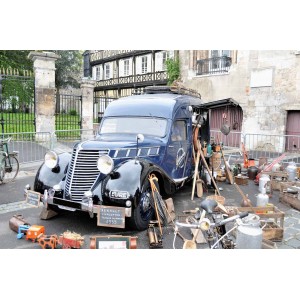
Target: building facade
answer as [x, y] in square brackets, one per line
[265, 84]
[120, 73]
[252, 91]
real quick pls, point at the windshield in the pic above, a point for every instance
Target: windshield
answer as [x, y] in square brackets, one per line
[147, 126]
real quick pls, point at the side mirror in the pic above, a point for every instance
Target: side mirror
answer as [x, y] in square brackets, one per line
[140, 138]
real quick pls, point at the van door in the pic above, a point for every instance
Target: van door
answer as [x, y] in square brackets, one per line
[178, 150]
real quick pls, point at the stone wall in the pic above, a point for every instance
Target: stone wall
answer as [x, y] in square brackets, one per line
[266, 83]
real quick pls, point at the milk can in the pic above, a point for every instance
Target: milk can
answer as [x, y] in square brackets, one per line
[262, 199]
[249, 234]
[263, 182]
[292, 171]
[276, 167]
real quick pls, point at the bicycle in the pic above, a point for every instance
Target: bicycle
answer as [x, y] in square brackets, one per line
[212, 226]
[9, 164]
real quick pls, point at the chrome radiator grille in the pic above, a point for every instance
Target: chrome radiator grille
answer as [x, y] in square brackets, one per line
[82, 172]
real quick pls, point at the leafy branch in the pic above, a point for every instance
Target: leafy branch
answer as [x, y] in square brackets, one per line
[173, 70]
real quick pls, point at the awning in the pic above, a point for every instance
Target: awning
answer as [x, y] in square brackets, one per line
[219, 103]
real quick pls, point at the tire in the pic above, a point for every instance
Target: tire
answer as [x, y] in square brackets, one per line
[11, 168]
[143, 213]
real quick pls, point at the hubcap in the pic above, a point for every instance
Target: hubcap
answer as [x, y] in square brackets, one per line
[145, 206]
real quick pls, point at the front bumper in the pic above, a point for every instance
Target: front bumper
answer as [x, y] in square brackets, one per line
[86, 204]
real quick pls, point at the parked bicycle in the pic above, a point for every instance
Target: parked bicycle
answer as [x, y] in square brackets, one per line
[212, 224]
[9, 164]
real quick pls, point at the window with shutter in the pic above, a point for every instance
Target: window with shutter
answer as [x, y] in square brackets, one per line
[94, 73]
[164, 59]
[121, 68]
[130, 67]
[126, 67]
[107, 70]
[144, 64]
[138, 65]
[98, 73]
[158, 61]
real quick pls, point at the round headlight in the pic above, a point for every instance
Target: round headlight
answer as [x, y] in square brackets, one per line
[105, 164]
[51, 159]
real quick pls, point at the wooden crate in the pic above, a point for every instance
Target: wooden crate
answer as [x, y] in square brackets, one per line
[272, 216]
[277, 178]
[285, 185]
[266, 212]
[290, 199]
[241, 180]
[272, 231]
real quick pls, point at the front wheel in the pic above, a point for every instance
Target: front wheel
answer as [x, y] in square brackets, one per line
[143, 213]
[11, 168]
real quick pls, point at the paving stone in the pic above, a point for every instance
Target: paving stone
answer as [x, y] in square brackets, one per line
[291, 230]
[293, 243]
[293, 213]
[14, 206]
[296, 226]
[284, 246]
[291, 220]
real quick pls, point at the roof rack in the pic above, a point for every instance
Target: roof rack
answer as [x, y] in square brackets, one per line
[171, 89]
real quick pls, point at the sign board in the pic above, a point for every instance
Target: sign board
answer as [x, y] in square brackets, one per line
[111, 216]
[113, 242]
[33, 198]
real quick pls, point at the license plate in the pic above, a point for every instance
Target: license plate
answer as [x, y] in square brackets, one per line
[111, 216]
[66, 208]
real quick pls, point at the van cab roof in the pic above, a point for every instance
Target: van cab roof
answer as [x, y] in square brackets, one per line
[162, 105]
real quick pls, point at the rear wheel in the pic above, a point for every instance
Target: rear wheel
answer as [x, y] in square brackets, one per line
[11, 168]
[143, 213]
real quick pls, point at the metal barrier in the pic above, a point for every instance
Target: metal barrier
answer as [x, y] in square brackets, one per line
[31, 146]
[62, 144]
[231, 141]
[273, 145]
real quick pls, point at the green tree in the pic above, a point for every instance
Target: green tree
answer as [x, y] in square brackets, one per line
[15, 59]
[173, 70]
[68, 68]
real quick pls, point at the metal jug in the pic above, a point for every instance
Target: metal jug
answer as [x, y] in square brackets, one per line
[249, 234]
[292, 171]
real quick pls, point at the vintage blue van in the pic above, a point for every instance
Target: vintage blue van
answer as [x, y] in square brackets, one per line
[139, 135]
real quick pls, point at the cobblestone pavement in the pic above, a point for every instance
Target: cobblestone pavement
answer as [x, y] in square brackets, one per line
[14, 206]
[291, 235]
[291, 238]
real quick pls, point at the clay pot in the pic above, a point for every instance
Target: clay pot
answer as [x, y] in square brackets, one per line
[252, 172]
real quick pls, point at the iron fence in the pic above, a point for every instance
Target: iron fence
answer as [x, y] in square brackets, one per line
[100, 104]
[68, 113]
[17, 103]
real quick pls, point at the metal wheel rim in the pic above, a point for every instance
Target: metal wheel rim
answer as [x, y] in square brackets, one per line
[145, 206]
[15, 170]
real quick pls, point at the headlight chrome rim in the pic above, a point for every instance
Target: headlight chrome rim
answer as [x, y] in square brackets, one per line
[105, 164]
[51, 159]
